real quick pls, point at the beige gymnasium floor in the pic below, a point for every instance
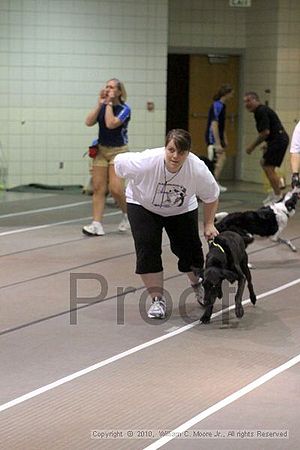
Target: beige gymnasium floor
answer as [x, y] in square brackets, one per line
[63, 386]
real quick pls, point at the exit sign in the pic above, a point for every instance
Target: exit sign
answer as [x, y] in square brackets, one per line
[240, 3]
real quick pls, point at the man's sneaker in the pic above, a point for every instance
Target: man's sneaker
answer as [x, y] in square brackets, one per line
[95, 229]
[268, 200]
[124, 224]
[271, 198]
[199, 292]
[222, 188]
[157, 309]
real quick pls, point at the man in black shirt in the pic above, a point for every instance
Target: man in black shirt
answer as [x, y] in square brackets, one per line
[276, 140]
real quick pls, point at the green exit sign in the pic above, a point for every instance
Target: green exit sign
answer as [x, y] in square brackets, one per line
[240, 3]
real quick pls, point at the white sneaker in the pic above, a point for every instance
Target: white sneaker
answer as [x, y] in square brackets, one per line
[124, 224]
[268, 199]
[199, 292]
[222, 188]
[271, 198]
[95, 229]
[157, 309]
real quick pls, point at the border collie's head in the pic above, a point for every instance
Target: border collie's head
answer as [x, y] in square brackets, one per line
[287, 205]
[290, 203]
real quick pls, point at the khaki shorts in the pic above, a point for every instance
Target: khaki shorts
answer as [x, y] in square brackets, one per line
[106, 155]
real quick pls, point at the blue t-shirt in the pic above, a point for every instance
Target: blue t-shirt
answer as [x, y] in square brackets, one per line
[116, 137]
[217, 112]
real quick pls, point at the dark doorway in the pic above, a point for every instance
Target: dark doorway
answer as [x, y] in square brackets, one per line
[192, 82]
[178, 92]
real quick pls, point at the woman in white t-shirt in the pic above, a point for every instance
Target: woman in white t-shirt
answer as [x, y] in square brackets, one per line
[295, 156]
[162, 191]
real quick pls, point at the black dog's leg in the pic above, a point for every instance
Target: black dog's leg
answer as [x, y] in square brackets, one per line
[207, 314]
[248, 276]
[219, 291]
[239, 310]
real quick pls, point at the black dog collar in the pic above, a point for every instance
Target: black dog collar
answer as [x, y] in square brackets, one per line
[217, 245]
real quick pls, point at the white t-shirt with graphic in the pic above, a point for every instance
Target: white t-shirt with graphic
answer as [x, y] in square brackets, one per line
[151, 185]
[295, 143]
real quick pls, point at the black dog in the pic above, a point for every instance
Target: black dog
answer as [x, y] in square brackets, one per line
[226, 259]
[268, 221]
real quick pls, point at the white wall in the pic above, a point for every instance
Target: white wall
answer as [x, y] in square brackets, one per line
[267, 35]
[56, 54]
[206, 24]
[272, 61]
[54, 57]
[288, 66]
[260, 74]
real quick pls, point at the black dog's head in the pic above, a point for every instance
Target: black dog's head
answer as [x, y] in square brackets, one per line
[212, 283]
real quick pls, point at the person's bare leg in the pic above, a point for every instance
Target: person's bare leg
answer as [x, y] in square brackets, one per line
[194, 279]
[221, 158]
[197, 286]
[273, 178]
[117, 188]
[99, 191]
[154, 283]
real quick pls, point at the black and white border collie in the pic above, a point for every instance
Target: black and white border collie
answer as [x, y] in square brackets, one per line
[267, 221]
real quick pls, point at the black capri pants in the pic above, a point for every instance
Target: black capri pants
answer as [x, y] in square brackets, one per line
[182, 230]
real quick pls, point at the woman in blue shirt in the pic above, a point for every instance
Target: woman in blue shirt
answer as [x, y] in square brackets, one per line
[112, 115]
[215, 135]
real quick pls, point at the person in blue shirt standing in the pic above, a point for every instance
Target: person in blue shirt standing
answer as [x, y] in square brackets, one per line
[215, 135]
[112, 115]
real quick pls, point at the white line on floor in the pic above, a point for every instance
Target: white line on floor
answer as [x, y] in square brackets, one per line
[34, 211]
[225, 402]
[122, 355]
[170, 330]
[49, 225]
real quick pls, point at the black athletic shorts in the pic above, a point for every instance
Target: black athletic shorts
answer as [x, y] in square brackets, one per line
[276, 149]
[183, 233]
